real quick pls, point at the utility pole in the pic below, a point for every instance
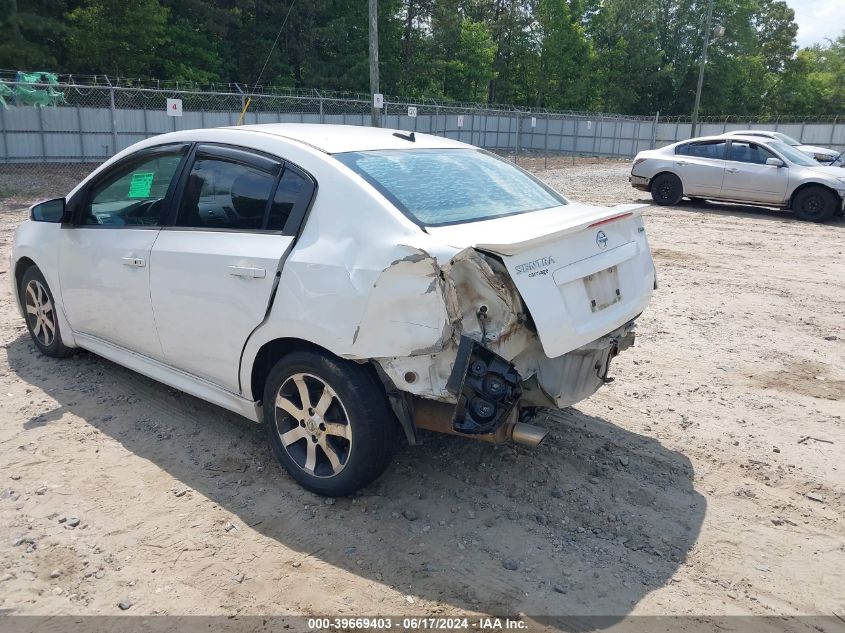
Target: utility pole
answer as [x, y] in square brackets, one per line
[374, 60]
[707, 28]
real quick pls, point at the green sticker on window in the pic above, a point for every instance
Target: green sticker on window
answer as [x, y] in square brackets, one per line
[142, 182]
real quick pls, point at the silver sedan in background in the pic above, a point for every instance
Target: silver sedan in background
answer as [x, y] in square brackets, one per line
[823, 155]
[741, 169]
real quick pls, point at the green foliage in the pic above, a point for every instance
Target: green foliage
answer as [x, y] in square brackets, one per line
[633, 56]
[470, 68]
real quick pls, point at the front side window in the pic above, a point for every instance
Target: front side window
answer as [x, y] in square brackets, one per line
[220, 194]
[745, 152]
[449, 186]
[134, 194]
[793, 155]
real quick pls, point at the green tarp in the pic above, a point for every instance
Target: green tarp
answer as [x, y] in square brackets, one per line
[35, 89]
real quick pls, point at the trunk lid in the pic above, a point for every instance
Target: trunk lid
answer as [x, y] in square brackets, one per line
[582, 271]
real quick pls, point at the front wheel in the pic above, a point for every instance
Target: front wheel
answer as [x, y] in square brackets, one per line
[328, 422]
[40, 311]
[666, 189]
[815, 204]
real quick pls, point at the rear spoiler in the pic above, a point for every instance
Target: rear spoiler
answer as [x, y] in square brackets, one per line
[604, 215]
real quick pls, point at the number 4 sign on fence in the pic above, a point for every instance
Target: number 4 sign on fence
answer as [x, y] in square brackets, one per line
[174, 107]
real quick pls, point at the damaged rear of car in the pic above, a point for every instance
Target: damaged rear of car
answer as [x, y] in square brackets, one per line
[528, 297]
[345, 285]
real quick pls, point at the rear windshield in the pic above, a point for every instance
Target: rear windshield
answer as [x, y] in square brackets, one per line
[450, 186]
[786, 139]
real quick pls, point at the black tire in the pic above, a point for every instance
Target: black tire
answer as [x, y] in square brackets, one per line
[39, 309]
[362, 450]
[815, 204]
[666, 189]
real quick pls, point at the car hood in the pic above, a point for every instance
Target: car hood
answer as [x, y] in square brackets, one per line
[818, 150]
[833, 172]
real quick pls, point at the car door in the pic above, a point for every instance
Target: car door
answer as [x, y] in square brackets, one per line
[215, 265]
[104, 255]
[748, 177]
[701, 167]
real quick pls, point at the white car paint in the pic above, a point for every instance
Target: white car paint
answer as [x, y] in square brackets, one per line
[195, 308]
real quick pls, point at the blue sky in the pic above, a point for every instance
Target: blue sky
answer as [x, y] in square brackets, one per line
[818, 19]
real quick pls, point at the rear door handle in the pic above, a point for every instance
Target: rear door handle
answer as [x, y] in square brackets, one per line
[681, 163]
[250, 273]
[732, 170]
[136, 262]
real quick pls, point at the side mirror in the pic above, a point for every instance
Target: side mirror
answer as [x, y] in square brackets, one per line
[774, 162]
[48, 211]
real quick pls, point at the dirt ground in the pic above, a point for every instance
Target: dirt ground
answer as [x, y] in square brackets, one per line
[708, 479]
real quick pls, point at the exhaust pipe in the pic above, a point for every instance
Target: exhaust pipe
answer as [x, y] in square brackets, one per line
[437, 416]
[528, 434]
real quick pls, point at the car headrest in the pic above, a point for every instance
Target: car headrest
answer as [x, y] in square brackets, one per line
[250, 192]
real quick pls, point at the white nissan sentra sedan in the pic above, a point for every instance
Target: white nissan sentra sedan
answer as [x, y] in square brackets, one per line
[345, 285]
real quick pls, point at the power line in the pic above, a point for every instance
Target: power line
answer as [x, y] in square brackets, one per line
[273, 47]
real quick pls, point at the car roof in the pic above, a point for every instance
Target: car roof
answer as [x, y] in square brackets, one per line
[729, 136]
[334, 139]
[749, 132]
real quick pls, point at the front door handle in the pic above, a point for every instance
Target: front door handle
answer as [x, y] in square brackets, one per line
[250, 273]
[136, 262]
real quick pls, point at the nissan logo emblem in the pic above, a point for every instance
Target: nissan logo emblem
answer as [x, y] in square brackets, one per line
[601, 239]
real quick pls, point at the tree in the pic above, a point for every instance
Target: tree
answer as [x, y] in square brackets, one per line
[31, 34]
[629, 56]
[565, 57]
[467, 74]
[117, 37]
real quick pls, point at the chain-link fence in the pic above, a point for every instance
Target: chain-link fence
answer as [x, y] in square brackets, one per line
[63, 128]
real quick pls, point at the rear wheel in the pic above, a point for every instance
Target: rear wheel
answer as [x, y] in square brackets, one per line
[329, 422]
[40, 311]
[666, 189]
[815, 204]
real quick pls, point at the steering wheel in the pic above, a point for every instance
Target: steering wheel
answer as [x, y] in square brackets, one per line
[145, 212]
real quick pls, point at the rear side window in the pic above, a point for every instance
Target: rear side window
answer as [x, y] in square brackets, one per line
[292, 190]
[220, 194]
[709, 149]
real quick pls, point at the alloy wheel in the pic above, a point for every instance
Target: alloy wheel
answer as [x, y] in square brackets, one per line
[39, 313]
[313, 425]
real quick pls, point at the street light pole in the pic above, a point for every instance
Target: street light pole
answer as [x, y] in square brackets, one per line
[374, 60]
[707, 32]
